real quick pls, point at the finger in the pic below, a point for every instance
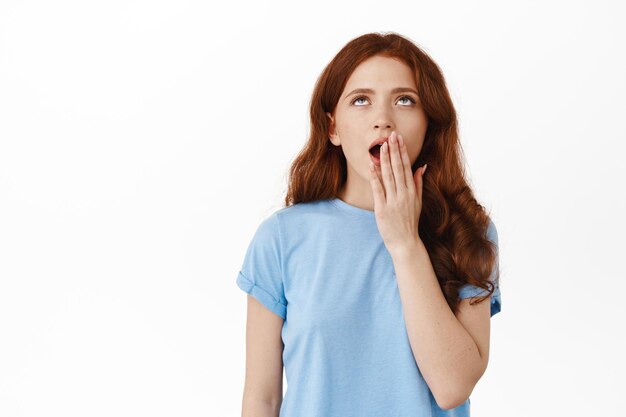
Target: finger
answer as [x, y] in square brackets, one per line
[385, 167]
[379, 174]
[419, 182]
[377, 188]
[404, 153]
[396, 164]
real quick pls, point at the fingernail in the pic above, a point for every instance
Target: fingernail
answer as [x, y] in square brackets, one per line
[425, 166]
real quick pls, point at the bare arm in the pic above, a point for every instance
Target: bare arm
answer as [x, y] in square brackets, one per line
[451, 354]
[263, 390]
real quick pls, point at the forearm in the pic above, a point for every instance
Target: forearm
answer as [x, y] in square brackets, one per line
[445, 352]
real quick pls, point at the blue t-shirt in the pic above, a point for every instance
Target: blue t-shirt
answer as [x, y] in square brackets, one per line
[324, 268]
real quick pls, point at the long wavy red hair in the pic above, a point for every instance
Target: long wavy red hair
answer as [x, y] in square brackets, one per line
[453, 225]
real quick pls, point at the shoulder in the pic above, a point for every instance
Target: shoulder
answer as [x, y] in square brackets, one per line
[492, 231]
[283, 220]
[301, 215]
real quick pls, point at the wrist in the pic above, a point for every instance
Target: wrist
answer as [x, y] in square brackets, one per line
[408, 249]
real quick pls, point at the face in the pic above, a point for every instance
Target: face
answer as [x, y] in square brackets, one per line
[362, 117]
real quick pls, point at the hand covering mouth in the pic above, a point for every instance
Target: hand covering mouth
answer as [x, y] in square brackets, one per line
[376, 145]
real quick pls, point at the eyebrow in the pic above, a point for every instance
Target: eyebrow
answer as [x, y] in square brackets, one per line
[370, 91]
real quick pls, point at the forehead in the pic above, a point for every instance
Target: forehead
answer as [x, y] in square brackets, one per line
[381, 73]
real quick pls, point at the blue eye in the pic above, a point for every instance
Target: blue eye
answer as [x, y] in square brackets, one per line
[409, 98]
[364, 97]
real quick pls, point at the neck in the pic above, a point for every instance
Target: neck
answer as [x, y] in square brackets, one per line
[358, 194]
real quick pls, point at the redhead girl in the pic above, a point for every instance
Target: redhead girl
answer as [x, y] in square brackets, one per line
[375, 285]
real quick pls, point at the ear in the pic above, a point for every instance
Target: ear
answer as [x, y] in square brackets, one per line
[332, 131]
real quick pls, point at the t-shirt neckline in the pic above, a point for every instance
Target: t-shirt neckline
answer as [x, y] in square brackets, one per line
[349, 208]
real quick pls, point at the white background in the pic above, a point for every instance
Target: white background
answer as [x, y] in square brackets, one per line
[142, 142]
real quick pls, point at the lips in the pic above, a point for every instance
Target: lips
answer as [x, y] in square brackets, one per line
[379, 141]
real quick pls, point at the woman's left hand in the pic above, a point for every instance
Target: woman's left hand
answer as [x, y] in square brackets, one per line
[398, 198]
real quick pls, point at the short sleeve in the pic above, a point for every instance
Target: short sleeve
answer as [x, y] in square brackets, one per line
[469, 290]
[261, 272]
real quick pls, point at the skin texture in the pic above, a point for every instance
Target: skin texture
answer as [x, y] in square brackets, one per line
[263, 390]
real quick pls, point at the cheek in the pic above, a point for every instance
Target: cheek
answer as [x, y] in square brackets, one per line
[350, 150]
[350, 131]
[414, 151]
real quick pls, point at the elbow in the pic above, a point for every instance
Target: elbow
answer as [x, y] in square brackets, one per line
[453, 397]
[451, 403]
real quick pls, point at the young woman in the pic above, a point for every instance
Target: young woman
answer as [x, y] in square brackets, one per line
[374, 287]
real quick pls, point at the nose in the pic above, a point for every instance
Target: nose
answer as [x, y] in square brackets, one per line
[384, 121]
[384, 128]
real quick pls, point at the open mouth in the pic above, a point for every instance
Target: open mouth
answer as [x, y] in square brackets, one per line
[375, 153]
